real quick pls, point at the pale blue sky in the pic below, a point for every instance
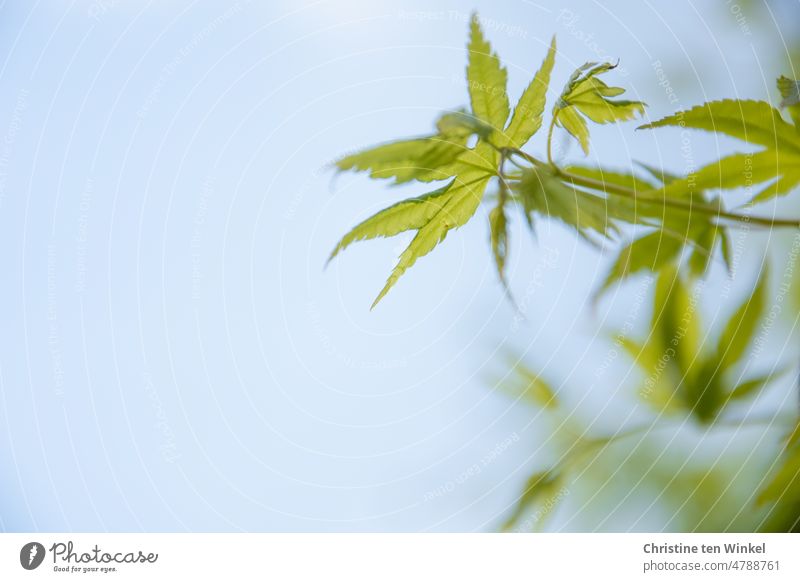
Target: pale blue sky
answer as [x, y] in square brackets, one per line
[174, 357]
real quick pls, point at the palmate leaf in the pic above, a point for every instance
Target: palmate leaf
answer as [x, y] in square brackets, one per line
[528, 113]
[413, 159]
[783, 486]
[740, 330]
[586, 96]
[790, 94]
[776, 167]
[543, 193]
[410, 214]
[650, 252]
[541, 487]
[498, 237]
[459, 203]
[486, 80]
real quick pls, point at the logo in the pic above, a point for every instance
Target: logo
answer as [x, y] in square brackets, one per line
[31, 555]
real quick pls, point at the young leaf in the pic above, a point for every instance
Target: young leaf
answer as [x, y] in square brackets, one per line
[675, 320]
[749, 387]
[534, 388]
[527, 117]
[462, 124]
[413, 159]
[741, 327]
[539, 487]
[498, 224]
[486, 80]
[784, 484]
[612, 177]
[587, 96]
[463, 198]
[647, 253]
[544, 193]
[790, 93]
[757, 122]
[410, 214]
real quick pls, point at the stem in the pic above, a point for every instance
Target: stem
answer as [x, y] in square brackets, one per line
[550, 141]
[672, 202]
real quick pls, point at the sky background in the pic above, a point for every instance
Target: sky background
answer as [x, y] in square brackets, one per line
[175, 356]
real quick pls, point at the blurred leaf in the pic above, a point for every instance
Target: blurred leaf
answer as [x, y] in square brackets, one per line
[527, 117]
[541, 487]
[650, 252]
[462, 124]
[777, 167]
[536, 389]
[611, 177]
[784, 484]
[740, 329]
[542, 192]
[498, 234]
[750, 387]
[790, 92]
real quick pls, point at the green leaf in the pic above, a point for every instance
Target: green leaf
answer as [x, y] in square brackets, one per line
[587, 96]
[534, 388]
[784, 484]
[410, 214]
[750, 387]
[462, 124]
[463, 198]
[543, 487]
[740, 329]
[790, 92]
[576, 126]
[779, 170]
[414, 159]
[486, 80]
[676, 320]
[498, 224]
[756, 122]
[544, 193]
[648, 253]
[527, 117]
[611, 177]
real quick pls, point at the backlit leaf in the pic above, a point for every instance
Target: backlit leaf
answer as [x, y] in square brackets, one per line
[486, 80]
[527, 117]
